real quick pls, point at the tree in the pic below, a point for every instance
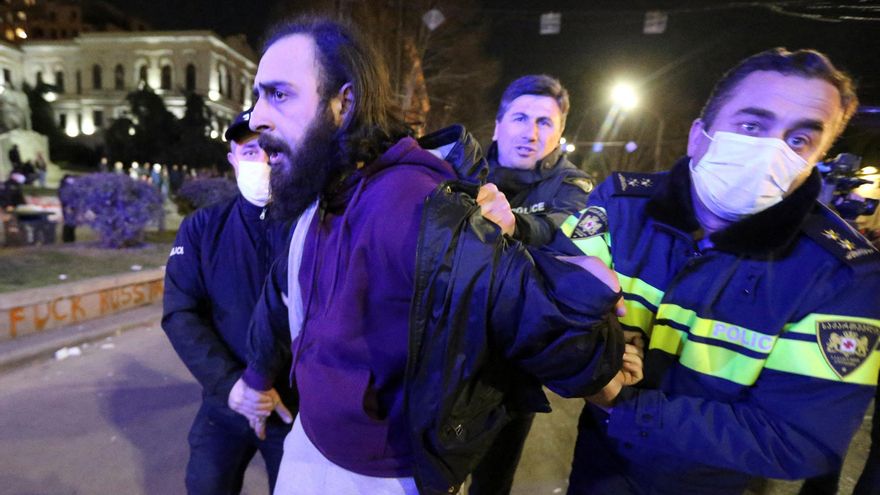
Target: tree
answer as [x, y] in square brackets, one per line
[449, 62]
[197, 148]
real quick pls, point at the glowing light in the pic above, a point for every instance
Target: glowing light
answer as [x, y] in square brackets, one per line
[868, 171]
[562, 141]
[630, 146]
[569, 148]
[214, 95]
[598, 147]
[50, 96]
[624, 95]
[214, 134]
[21, 33]
[131, 132]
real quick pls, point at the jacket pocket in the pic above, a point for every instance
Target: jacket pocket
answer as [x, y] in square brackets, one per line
[333, 409]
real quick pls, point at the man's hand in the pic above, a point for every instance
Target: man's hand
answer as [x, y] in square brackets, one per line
[257, 405]
[630, 374]
[597, 268]
[495, 208]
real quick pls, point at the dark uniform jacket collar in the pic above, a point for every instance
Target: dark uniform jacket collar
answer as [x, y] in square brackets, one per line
[517, 178]
[764, 234]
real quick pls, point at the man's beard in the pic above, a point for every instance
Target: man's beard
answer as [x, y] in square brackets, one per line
[299, 177]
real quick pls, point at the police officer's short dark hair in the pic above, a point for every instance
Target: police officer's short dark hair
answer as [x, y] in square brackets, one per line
[538, 85]
[804, 63]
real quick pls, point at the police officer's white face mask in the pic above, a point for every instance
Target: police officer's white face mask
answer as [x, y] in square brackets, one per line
[741, 175]
[253, 181]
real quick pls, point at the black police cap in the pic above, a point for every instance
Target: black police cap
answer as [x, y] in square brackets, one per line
[240, 127]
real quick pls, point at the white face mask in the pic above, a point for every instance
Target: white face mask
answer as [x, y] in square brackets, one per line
[253, 181]
[742, 175]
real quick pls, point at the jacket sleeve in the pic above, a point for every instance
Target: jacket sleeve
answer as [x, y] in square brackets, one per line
[269, 331]
[553, 320]
[186, 317]
[796, 421]
[537, 229]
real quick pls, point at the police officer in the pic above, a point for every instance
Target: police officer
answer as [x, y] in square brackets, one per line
[213, 278]
[760, 304]
[528, 166]
[527, 163]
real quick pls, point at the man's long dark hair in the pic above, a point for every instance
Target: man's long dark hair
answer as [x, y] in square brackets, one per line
[345, 56]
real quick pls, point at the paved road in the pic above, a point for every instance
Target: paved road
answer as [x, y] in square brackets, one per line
[114, 421]
[111, 421]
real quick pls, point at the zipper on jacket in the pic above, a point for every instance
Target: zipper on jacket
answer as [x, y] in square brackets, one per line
[263, 214]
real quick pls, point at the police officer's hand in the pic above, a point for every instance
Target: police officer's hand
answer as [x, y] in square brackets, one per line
[257, 405]
[631, 373]
[495, 208]
[598, 269]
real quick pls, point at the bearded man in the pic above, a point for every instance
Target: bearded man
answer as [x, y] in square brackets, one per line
[401, 305]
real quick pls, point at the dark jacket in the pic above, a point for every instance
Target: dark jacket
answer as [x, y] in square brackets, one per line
[543, 197]
[213, 278]
[762, 349]
[485, 309]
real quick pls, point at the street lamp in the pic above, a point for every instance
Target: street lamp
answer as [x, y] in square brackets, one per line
[624, 96]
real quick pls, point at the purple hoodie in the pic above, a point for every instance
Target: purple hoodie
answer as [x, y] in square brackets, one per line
[357, 282]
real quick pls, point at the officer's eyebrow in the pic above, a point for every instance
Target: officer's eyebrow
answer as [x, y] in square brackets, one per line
[761, 113]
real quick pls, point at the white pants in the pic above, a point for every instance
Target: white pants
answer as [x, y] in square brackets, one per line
[305, 471]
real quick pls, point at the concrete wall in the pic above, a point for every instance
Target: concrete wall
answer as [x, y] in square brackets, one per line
[46, 308]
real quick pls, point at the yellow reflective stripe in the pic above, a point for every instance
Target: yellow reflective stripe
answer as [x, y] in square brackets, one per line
[637, 315]
[667, 339]
[634, 285]
[805, 357]
[595, 246]
[719, 361]
[707, 358]
[723, 363]
[677, 314]
[570, 223]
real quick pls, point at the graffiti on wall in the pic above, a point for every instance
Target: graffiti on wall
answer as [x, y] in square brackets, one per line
[22, 320]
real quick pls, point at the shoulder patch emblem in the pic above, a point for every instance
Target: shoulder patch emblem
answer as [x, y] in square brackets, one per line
[846, 345]
[586, 185]
[593, 221]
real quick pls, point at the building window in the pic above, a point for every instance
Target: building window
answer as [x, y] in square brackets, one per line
[119, 77]
[96, 77]
[142, 76]
[39, 77]
[79, 82]
[190, 77]
[166, 77]
[59, 81]
[7, 77]
[62, 121]
[98, 118]
[229, 85]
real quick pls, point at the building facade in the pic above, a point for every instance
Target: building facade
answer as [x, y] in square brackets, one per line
[91, 74]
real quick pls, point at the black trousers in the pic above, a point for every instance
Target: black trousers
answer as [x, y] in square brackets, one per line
[222, 445]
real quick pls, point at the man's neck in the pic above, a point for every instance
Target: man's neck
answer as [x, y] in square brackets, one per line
[709, 222]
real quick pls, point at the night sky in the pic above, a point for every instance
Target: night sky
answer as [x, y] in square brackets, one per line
[602, 41]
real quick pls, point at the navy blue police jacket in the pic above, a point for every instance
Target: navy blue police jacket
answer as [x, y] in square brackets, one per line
[543, 197]
[763, 349]
[213, 278]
